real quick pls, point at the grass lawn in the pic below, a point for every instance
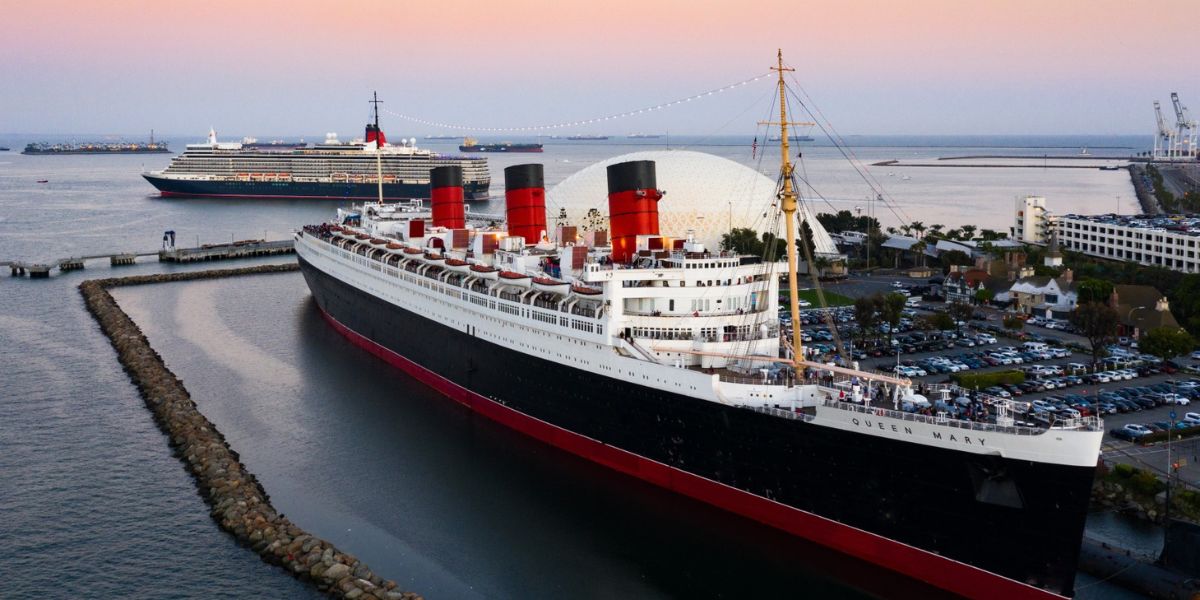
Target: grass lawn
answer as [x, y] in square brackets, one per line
[830, 297]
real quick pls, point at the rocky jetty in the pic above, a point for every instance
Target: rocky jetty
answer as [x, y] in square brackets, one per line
[236, 500]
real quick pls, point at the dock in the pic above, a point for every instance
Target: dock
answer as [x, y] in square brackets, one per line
[207, 252]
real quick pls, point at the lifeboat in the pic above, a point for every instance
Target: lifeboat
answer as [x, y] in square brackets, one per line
[378, 242]
[362, 236]
[547, 284]
[412, 251]
[457, 265]
[394, 246]
[435, 257]
[485, 272]
[585, 291]
[514, 278]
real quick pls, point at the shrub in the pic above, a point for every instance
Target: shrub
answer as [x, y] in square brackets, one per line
[983, 380]
[1123, 470]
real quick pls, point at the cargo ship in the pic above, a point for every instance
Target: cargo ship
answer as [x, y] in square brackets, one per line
[473, 145]
[151, 147]
[653, 355]
[586, 137]
[335, 170]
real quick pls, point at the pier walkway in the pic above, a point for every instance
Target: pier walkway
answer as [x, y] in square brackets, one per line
[238, 249]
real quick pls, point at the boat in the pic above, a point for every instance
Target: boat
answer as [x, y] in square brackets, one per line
[636, 371]
[87, 148]
[335, 170]
[473, 145]
[586, 137]
[4, 149]
[43, 181]
[644, 136]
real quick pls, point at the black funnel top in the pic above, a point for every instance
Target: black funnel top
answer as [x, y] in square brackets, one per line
[632, 175]
[519, 177]
[449, 176]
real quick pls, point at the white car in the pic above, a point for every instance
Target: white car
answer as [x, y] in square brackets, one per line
[1196, 355]
[1103, 378]
[985, 338]
[1137, 430]
[1175, 399]
[1192, 417]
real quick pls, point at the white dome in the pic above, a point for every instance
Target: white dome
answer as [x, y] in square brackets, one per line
[704, 193]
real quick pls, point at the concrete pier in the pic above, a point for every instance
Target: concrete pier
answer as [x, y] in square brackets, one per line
[237, 501]
[233, 250]
[242, 249]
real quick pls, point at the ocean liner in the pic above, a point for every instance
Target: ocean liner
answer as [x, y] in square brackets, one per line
[357, 170]
[651, 354]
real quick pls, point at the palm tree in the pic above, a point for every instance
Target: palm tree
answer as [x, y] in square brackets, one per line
[936, 229]
[919, 228]
[919, 248]
[969, 232]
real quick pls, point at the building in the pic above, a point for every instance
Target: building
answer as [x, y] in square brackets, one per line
[1141, 308]
[961, 285]
[1171, 241]
[1045, 296]
[1032, 222]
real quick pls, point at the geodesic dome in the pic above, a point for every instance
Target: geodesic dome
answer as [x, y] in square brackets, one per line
[704, 193]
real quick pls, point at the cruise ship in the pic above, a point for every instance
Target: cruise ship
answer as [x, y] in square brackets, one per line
[653, 355]
[356, 170]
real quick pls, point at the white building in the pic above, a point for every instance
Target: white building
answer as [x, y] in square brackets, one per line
[1032, 223]
[1167, 241]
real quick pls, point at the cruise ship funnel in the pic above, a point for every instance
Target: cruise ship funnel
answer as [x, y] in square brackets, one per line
[446, 192]
[633, 197]
[525, 201]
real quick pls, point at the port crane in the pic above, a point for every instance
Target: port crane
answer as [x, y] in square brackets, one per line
[1185, 137]
[1164, 137]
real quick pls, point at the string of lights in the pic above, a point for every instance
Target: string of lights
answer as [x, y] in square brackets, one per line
[579, 122]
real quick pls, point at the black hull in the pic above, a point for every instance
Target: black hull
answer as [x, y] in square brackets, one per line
[921, 496]
[472, 190]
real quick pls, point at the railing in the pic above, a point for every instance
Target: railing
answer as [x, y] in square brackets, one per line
[778, 412]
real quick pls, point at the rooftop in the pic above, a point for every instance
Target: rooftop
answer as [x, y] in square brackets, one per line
[1188, 224]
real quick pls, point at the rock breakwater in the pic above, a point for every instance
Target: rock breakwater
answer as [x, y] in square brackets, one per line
[237, 501]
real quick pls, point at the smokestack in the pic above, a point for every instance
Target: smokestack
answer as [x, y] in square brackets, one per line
[633, 197]
[375, 134]
[446, 192]
[525, 201]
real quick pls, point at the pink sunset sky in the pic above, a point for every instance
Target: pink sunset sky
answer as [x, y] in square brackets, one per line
[304, 67]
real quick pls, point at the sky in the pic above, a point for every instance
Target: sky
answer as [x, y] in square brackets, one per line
[277, 68]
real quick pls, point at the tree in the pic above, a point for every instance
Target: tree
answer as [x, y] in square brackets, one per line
[866, 314]
[918, 250]
[950, 258]
[961, 313]
[1166, 342]
[594, 220]
[820, 263]
[890, 310]
[1097, 322]
[1094, 290]
[984, 295]
[939, 320]
[968, 232]
[1013, 323]
[743, 241]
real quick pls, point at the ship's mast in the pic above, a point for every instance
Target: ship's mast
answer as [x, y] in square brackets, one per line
[378, 147]
[788, 204]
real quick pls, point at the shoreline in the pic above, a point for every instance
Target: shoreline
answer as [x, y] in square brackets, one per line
[237, 501]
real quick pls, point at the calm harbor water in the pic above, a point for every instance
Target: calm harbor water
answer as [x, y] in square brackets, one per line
[451, 505]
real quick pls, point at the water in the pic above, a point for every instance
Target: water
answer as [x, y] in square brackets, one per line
[91, 502]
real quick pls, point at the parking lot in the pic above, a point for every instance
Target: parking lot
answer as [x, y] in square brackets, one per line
[1138, 395]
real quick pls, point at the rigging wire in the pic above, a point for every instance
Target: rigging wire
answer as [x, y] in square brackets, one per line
[578, 122]
[839, 143]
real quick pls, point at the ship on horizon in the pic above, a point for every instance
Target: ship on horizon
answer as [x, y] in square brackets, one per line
[335, 170]
[651, 354]
[473, 145]
[587, 137]
[74, 148]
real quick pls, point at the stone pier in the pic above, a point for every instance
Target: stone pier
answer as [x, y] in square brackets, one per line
[237, 501]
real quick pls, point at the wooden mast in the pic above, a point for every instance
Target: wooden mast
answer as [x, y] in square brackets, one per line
[788, 204]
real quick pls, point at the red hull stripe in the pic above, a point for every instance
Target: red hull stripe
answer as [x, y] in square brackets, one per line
[185, 195]
[948, 574]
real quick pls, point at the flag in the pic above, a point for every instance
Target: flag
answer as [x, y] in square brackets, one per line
[754, 148]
